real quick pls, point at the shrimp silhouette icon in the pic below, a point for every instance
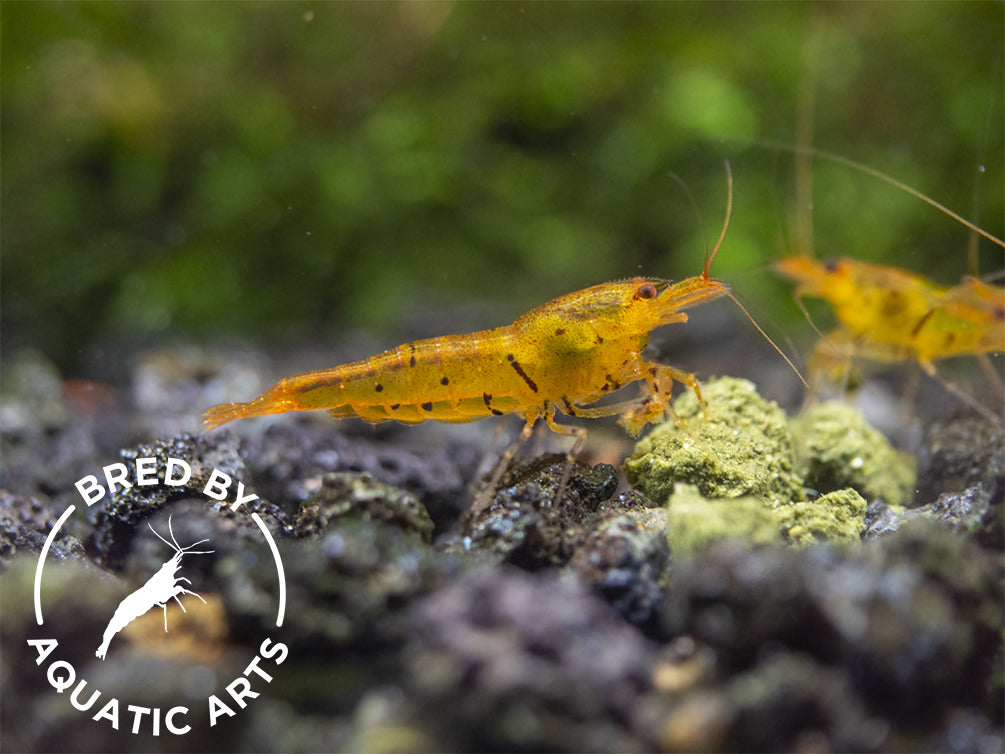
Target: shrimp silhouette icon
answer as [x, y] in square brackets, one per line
[159, 589]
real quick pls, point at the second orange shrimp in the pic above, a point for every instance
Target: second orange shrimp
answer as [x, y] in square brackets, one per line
[561, 356]
[891, 314]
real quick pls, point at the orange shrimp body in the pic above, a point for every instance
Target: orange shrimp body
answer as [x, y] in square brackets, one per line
[571, 351]
[890, 314]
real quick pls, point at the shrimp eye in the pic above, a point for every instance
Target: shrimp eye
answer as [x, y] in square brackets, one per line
[646, 291]
[831, 265]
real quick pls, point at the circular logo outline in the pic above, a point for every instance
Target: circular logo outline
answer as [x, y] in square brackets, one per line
[239, 690]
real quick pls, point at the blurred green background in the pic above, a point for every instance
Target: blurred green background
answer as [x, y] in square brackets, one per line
[288, 172]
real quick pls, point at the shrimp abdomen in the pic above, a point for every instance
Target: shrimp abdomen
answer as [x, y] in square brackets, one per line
[451, 378]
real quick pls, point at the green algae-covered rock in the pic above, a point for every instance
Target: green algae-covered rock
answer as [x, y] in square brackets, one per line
[739, 472]
[836, 448]
[742, 447]
[835, 517]
[693, 520]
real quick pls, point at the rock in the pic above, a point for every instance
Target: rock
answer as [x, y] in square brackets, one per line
[507, 660]
[523, 525]
[837, 449]
[626, 565]
[346, 495]
[838, 516]
[742, 447]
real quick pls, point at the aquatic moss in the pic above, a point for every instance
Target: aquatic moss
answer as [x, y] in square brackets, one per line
[743, 447]
[836, 448]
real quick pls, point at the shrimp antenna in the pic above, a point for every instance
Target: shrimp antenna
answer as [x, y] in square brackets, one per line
[189, 551]
[767, 338]
[176, 547]
[710, 259]
[806, 313]
[722, 235]
[171, 531]
[886, 179]
[697, 213]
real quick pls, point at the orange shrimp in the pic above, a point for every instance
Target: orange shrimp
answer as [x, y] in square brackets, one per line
[890, 314]
[569, 352]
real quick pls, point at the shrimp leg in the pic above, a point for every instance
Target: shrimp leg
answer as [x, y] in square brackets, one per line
[652, 404]
[485, 496]
[634, 413]
[565, 429]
